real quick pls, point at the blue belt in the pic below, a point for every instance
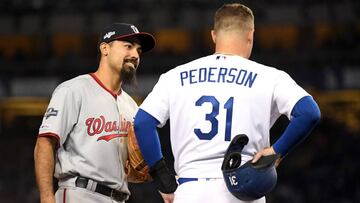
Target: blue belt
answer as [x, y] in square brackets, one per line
[184, 180]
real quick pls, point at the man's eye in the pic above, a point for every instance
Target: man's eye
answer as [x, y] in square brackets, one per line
[139, 51]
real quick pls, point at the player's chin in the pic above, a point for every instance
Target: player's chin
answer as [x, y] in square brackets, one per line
[128, 75]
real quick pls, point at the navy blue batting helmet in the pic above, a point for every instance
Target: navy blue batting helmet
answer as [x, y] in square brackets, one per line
[249, 181]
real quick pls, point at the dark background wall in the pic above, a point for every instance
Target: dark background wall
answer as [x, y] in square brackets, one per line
[317, 42]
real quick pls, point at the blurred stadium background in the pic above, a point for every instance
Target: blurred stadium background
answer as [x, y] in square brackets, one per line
[44, 42]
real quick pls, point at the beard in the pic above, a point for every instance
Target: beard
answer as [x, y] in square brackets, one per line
[128, 73]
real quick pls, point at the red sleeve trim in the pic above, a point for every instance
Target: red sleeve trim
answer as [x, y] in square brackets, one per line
[53, 135]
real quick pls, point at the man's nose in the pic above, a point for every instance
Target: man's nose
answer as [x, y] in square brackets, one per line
[134, 53]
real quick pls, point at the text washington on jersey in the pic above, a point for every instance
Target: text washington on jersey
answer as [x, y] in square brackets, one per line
[218, 75]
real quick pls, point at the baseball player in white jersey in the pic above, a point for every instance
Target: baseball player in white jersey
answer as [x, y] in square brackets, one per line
[83, 137]
[211, 100]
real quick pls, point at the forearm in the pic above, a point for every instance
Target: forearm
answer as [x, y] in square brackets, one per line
[44, 158]
[306, 114]
[145, 130]
[147, 136]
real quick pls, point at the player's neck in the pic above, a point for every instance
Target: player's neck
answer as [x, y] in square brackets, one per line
[232, 49]
[111, 81]
[232, 43]
[231, 52]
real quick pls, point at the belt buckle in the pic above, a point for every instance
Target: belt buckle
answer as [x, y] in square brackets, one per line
[81, 182]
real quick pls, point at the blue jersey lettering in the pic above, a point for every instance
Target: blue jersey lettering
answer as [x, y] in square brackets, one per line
[218, 74]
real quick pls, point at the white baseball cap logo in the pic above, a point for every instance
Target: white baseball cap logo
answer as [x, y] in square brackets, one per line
[134, 28]
[109, 34]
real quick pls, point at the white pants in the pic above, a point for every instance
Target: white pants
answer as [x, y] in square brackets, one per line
[210, 191]
[79, 195]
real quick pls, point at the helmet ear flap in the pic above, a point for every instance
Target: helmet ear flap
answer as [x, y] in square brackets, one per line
[241, 140]
[232, 161]
[249, 181]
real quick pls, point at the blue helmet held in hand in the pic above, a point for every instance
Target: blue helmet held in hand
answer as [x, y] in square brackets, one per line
[250, 181]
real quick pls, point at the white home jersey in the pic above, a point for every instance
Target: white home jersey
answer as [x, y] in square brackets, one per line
[91, 125]
[212, 99]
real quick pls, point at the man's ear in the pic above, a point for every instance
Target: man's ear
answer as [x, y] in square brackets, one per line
[104, 48]
[213, 36]
[250, 37]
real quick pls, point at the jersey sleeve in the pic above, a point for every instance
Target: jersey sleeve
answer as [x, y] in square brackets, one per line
[61, 114]
[157, 102]
[286, 93]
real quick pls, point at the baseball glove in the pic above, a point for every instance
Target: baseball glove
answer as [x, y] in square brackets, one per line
[136, 169]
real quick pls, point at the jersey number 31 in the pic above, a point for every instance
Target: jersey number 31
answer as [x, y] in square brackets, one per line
[211, 117]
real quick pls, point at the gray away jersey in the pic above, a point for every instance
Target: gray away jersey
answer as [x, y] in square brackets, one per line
[91, 126]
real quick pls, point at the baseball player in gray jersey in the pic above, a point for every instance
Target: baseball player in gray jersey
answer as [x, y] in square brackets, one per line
[82, 140]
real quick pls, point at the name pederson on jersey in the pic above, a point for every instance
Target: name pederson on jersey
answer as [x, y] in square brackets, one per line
[214, 98]
[91, 125]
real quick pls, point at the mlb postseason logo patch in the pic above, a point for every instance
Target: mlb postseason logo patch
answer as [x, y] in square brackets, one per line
[50, 112]
[45, 127]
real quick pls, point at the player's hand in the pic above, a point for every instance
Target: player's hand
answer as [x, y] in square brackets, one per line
[168, 198]
[265, 152]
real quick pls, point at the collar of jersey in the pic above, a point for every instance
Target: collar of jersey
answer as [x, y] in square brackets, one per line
[103, 86]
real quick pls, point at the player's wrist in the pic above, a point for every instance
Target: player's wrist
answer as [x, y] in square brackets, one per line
[164, 180]
[47, 198]
[272, 150]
